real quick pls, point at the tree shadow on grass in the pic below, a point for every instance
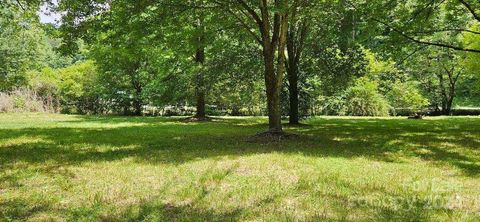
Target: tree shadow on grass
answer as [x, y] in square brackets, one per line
[169, 141]
[453, 142]
[388, 207]
[159, 141]
[168, 212]
[19, 210]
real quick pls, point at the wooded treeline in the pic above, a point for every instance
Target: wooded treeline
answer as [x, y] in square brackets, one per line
[292, 58]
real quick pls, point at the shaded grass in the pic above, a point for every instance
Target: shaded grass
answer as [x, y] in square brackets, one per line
[58, 167]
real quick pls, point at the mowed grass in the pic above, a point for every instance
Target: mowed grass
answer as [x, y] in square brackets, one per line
[77, 168]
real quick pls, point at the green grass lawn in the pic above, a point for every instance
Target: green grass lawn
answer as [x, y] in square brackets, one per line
[63, 168]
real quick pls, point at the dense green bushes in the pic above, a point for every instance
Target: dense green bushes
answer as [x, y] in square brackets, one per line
[380, 92]
[80, 88]
[363, 99]
[406, 96]
[74, 89]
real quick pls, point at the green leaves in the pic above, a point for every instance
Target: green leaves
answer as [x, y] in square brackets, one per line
[363, 99]
[23, 46]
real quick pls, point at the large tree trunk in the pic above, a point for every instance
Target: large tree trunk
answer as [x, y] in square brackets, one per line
[273, 94]
[273, 35]
[200, 60]
[292, 69]
[274, 73]
[200, 105]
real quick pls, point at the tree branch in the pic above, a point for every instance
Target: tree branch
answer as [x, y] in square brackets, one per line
[445, 30]
[249, 30]
[402, 33]
[470, 8]
[252, 12]
[20, 4]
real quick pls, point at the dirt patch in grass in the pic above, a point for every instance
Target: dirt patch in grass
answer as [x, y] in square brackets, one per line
[298, 125]
[197, 119]
[271, 137]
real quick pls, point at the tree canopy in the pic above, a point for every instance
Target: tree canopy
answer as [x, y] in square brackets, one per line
[277, 58]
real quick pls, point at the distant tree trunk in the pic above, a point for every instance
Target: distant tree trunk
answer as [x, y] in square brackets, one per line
[293, 94]
[450, 101]
[200, 61]
[449, 110]
[200, 87]
[137, 100]
[137, 86]
[137, 104]
[297, 33]
[452, 89]
[448, 89]
[444, 94]
[235, 111]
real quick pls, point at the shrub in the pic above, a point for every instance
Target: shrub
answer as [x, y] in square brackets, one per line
[21, 100]
[80, 89]
[332, 105]
[363, 99]
[406, 96]
[6, 103]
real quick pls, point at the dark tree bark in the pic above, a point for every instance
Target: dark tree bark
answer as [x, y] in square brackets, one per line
[470, 9]
[445, 98]
[200, 84]
[137, 104]
[137, 86]
[200, 106]
[297, 33]
[137, 100]
[294, 117]
[200, 60]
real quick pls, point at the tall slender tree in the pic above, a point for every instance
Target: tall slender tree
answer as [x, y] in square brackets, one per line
[298, 30]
